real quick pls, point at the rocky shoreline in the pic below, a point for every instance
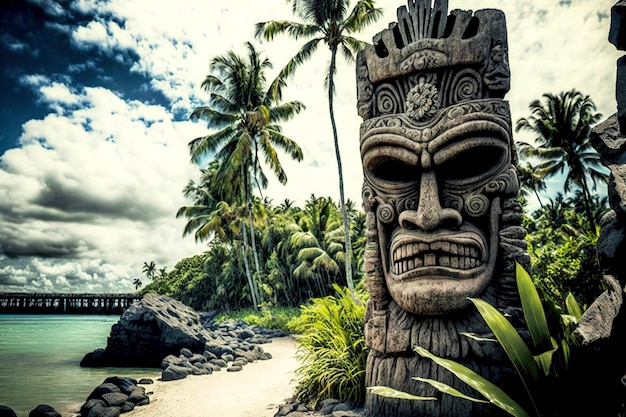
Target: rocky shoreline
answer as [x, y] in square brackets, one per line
[158, 331]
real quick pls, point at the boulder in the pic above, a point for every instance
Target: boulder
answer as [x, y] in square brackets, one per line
[175, 372]
[7, 411]
[104, 388]
[149, 330]
[114, 399]
[114, 396]
[44, 411]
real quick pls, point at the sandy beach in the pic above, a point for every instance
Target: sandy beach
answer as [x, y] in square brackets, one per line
[256, 391]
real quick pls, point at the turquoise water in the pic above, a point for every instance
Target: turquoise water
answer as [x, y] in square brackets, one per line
[40, 357]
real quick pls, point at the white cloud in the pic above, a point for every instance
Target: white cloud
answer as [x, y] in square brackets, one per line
[103, 182]
[99, 186]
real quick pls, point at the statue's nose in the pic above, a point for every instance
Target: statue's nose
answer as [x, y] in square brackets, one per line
[429, 214]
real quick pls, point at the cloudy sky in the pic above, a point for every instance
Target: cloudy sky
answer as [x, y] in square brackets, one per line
[96, 97]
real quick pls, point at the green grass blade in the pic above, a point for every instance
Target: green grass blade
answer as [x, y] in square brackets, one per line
[474, 336]
[489, 390]
[573, 308]
[513, 345]
[533, 311]
[447, 389]
[394, 393]
[544, 360]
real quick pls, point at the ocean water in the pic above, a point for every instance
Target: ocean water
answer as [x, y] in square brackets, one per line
[40, 357]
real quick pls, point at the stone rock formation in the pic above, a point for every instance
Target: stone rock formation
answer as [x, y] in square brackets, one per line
[149, 330]
[599, 363]
[158, 331]
[440, 193]
[44, 410]
[7, 411]
[116, 395]
[617, 36]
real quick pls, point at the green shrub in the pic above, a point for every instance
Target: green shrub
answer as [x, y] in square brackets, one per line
[277, 318]
[332, 348]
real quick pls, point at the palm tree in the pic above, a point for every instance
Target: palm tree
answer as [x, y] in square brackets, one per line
[561, 125]
[318, 243]
[531, 181]
[137, 283]
[326, 21]
[244, 117]
[149, 269]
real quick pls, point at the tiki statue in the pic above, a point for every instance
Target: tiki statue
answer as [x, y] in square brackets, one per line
[440, 191]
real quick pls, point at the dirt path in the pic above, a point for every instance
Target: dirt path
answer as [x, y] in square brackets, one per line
[256, 391]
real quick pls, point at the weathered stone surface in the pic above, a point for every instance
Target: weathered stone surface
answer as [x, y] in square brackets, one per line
[104, 388]
[125, 384]
[114, 396]
[328, 407]
[611, 246]
[152, 328]
[234, 368]
[44, 411]
[617, 32]
[7, 411]
[602, 328]
[186, 353]
[440, 194]
[606, 139]
[145, 381]
[89, 404]
[106, 412]
[219, 362]
[175, 372]
[597, 322]
[114, 399]
[137, 397]
[620, 93]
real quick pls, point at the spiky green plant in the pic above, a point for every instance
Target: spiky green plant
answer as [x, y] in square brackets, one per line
[332, 348]
[533, 361]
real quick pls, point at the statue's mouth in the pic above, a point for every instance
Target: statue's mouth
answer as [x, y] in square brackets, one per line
[455, 255]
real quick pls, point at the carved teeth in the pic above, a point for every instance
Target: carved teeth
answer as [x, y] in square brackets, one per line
[447, 254]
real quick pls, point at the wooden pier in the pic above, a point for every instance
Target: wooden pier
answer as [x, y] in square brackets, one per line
[23, 303]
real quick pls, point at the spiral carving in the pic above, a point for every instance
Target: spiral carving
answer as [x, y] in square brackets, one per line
[386, 213]
[453, 201]
[467, 85]
[476, 205]
[369, 197]
[389, 99]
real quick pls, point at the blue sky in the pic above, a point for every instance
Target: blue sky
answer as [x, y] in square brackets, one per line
[94, 124]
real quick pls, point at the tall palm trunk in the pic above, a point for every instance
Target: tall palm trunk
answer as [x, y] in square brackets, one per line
[254, 251]
[538, 198]
[255, 300]
[344, 214]
[248, 198]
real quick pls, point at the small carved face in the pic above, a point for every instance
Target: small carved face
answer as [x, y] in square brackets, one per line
[437, 193]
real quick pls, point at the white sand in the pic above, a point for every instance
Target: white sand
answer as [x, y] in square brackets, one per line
[256, 391]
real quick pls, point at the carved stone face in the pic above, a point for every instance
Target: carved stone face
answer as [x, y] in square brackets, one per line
[437, 185]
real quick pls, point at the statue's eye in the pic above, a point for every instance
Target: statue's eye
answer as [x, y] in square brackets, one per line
[392, 170]
[471, 160]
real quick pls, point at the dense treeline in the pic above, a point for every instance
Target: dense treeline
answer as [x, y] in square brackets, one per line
[300, 252]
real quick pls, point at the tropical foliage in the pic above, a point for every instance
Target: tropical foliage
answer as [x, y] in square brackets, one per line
[244, 117]
[563, 250]
[331, 348]
[329, 22]
[561, 125]
[538, 362]
[275, 318]
[299, 252]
